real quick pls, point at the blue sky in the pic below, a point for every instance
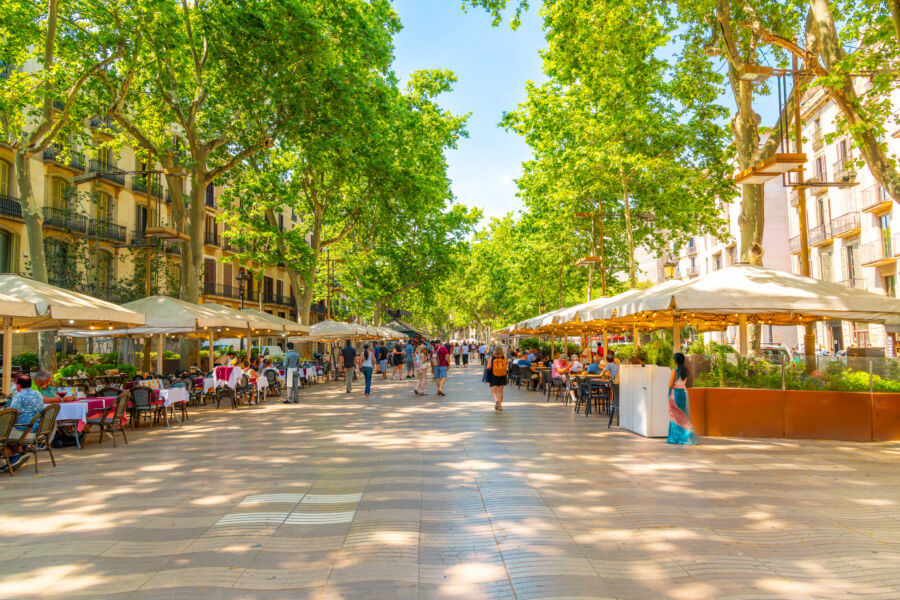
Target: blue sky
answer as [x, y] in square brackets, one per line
[493, 64]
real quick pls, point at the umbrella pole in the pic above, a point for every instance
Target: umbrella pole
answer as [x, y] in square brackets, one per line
[212, 352]
[676, 335]
[159, 354]
[634, 339]
[742, 333]
[7, 355]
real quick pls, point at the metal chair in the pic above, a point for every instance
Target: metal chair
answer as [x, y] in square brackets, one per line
[271, 376]
[8, 418]
[110, 421]
[243, 390]
[142, 403]
[222, 392]
[107, 392]
[39, 432]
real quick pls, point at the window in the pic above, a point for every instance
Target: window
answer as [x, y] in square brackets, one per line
[820, 167]
[6, 186]
[884, 223]
[820, 211]
[851, 262]
[104, 208]
[732, 255]
[826, 266]
[59, 193]
[842, 150]
[718, 261]
[106, 157]
[9, 252]
[890, 286]
[56, 253]
[209, 270]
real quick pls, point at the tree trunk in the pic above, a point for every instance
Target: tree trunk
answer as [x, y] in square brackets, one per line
[629, 234]
[34, 228]
[874, 153]
[895, 17]
[752, 220]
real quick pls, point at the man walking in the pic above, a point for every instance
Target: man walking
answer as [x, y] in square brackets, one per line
[381, 354]
[465, 355]
[292, 361]
[349, 356]
[481, 351]
[409, 355]
[440, 371]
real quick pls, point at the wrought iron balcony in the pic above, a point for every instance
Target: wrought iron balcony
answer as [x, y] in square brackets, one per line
[54, 154]
[843, 168]
[211, 238]
[107, 171]
[877, 252]
[820, 234]
[795, 244]
[875, 199]
[107, 230]
[279, 299]
[104, 123]
[10, 206]
[845, 225]
[66, 220]
[817, 140]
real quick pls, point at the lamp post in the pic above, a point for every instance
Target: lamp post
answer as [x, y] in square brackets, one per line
[669, 268]
[241, 277]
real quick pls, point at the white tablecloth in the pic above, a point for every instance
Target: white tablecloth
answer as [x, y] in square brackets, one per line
[72, 411]
[261, 383]
[173, 395]
[209, 384]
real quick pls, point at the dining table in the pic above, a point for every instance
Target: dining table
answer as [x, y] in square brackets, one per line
[76, 413]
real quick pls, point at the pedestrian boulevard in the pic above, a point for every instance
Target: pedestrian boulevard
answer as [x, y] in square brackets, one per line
[401, 497]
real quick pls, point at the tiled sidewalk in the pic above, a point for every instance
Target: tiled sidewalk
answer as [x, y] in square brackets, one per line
[396, 497]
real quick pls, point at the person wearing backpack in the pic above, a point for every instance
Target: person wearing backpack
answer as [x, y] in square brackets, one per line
[496, 375]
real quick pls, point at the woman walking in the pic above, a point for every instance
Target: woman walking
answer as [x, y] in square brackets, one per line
[496, 376]
[680, 429]
[421, 363]
[397, 362]
[367, 363]
[456, 354]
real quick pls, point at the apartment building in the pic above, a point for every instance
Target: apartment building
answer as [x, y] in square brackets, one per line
[850, 227]
[97, 206]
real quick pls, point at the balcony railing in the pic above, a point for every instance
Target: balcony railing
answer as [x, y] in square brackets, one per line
[221, 290]
[877, 252]
[104, 122]
[843, 168]
[10, 206]
[64, 219]
[817, 140]
[107, 171]
[279, 299]
[139, 184]
[854, 282]
[819, 234]
[211, 238]
[795, 244]
[53, 154]
[845, 224]
[107, 230]
[875, 198]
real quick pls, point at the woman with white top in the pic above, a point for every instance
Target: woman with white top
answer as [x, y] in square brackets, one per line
[366, 364]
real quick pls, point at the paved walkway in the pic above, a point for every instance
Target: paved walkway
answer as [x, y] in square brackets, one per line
[393, 498]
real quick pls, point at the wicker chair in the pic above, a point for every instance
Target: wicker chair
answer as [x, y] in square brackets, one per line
[243, 390]
[37, 436]
[142, 403]
[222, 392]
[110, 421]
[107, 392]
[8, 418]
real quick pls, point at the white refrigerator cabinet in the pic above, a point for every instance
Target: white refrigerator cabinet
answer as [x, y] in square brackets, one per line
[644, 400]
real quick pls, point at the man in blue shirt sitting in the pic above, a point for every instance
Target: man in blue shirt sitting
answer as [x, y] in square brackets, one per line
[29, 403]
[594, 368]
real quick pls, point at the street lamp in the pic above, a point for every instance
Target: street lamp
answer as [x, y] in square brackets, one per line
[543, 307]
[242, 276]
[669, 268]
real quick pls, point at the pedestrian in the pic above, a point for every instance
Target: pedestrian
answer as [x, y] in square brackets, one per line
[408, 355]
[482, 350]
[381, 357]
[348, 353]
[421, 363]
[457, 354]
[681, 431]
[464, 351]
[496, 376]
[397, 362]
[440, 370]
[366, 365]
[291, 360]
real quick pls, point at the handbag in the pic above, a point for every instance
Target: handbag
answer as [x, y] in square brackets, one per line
[484, 377]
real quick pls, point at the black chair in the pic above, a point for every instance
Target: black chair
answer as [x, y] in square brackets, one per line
[243, 390]
[110, 420]
[107, 392]
[271, 376]
[143, 399]
[514, 373]
[37, 436]
[8, 418]
[222, 392]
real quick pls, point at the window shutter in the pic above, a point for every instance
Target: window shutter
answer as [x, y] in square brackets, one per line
[15, 245]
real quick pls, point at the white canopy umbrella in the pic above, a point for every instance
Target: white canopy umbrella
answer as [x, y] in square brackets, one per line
[333, 330]
[742, 294]
[29, 305]
[285, 325]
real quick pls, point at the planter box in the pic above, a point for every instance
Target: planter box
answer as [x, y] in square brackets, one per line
[795, 414]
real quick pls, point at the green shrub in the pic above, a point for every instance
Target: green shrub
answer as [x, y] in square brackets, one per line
[623, 351]
[169, 355]
[68, 371]
[27, 360]
[129, 369]
[109, 358]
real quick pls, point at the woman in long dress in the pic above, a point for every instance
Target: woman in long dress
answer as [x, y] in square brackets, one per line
[680, 429]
